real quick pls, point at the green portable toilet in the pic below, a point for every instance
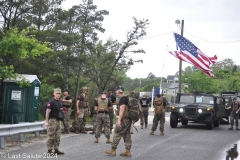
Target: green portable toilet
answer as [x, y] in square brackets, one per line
[21, 104]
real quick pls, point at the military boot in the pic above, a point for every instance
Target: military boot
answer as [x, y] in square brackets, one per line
[66, 132]
[231, 128]
[50, 151]
[161, 134]
[151, 133]
[237, 128]
[108, 141]
[127, 153]
[56, 151]
[111, 152]
[83, 131]
[146, 126]
[110, 131]
[96, 140]
[141, 126]
[77, 132]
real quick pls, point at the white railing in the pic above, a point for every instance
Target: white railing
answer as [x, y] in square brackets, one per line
[21, 129]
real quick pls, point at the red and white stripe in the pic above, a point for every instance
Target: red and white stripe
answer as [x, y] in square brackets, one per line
[202, 62]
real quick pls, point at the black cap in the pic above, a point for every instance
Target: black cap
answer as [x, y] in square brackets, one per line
[158, 95]
[119, 88]
[66, 90]
[234, 98]
[109, 89]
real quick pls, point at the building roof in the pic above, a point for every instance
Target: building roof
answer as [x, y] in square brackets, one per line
[27, 77]
[171, 77]
[173, 85]
[165, 85]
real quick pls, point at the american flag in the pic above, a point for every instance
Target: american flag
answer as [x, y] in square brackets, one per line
[188, 52]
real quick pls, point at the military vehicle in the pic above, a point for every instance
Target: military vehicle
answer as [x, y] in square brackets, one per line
[197, 107]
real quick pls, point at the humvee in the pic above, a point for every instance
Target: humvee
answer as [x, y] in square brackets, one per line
[197, 107]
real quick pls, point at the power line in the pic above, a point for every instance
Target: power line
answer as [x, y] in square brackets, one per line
[193, 36]
[210, 40]
[157, 35]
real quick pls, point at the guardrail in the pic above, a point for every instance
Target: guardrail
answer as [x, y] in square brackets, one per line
[21, 129]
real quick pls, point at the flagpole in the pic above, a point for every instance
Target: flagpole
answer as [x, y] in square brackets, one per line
[180, 64]
[152, 97]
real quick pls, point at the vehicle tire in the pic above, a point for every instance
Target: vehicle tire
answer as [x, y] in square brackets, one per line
[216, 123]
[209, 123]
[173, 120]
[185, 122]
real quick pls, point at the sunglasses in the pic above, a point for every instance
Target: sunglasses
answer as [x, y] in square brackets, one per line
[58, 93]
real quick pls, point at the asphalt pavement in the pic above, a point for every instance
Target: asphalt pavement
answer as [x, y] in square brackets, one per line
[191, 142]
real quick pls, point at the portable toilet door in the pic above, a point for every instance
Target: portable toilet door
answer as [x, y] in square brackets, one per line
[32, 111]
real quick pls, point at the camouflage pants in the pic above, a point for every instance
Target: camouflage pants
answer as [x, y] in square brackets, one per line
[80, 122]
[111, 115]
[144, 115]
[161, 118]
[124, 132]
[54, 133]
[102, 120]
[94, 122]
[67, 115]
[236, 117]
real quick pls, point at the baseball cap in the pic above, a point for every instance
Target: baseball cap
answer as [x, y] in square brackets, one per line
[234, 98]
[119, 88]
[109, 89]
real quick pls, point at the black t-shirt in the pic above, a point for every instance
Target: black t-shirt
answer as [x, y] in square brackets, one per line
[144, 102]
[53, 104]
[80, 97]
[109, 103]
[123, 100]
[111, 98]
[67, 98]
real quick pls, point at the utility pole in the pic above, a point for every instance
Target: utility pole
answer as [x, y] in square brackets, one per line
[180, 64]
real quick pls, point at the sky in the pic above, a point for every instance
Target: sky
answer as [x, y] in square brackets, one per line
[204, 21]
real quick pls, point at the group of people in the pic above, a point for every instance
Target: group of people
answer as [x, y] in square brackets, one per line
[103, 117]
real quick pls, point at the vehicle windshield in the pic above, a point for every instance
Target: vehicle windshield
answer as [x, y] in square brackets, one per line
[196, 99]
[187, 99]
[204, 99]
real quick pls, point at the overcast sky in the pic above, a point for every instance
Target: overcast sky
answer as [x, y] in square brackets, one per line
[213, 20]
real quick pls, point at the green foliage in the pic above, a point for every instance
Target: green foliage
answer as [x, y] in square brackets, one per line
[227, 78]
[17, 45]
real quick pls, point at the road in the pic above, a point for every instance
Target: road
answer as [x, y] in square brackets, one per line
[192, 142]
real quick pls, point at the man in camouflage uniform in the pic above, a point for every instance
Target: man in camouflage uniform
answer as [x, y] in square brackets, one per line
[94, 112]
[234, 113]
[66, 100]
[159, 105]
[83, 110]
[102, 106]
[53, 124]
[112, 99]
[123, 125]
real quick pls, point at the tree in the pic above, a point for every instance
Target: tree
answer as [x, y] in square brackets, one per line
[15, 46]
[122, 50]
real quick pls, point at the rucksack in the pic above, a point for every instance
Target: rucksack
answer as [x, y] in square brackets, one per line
[133, 108]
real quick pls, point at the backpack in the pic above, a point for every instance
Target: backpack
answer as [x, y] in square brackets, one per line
[133, 108]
